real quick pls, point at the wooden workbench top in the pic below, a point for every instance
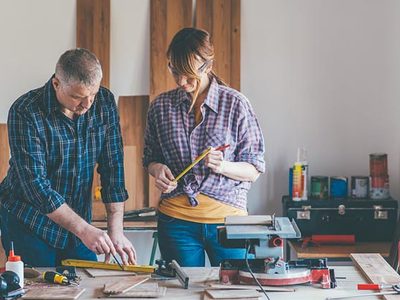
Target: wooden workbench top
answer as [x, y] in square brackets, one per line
[129, 225]
[201, 277]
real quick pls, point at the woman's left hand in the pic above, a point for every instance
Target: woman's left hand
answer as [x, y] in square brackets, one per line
[215, 161]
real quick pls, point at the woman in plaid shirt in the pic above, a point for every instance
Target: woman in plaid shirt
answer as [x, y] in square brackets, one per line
[202, 112]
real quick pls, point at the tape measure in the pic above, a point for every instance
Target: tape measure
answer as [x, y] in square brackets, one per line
[106, 266]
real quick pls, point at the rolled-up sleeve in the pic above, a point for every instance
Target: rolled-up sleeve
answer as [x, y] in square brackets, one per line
[152, 149]
[111, 160]
[29, 161]
[250, 146]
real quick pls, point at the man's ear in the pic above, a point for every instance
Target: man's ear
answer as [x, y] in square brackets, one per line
[55, 82]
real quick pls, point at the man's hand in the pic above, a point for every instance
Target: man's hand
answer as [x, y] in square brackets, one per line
[215, 161]
[123, 247]
[164, 178]
[97, 240]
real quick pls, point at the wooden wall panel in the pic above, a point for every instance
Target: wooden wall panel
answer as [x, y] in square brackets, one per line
[221, 18]
[166, 18]
[4, 151]
[93, 33]
[133, 111]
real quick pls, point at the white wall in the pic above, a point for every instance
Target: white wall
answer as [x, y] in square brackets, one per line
[320, 74]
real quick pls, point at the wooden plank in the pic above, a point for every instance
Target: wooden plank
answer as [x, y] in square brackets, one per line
[376, 270]
[133, 112]
[4, 151]
[231, 294]
[95, 273]
[250, 287]
[93, 33]
[122, 286]
[65, 293]
[339, 251]
[145, 290]
[221, 18]
[167, 17]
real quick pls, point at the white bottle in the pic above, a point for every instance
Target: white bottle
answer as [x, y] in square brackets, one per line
[15, 264]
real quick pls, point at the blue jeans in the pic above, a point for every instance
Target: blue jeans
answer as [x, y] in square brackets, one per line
[187, 242]
[33, 250]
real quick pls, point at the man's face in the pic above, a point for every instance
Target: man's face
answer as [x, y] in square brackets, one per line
[75, 98]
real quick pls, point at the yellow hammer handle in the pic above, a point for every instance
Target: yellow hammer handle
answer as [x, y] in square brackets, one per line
[196, 161]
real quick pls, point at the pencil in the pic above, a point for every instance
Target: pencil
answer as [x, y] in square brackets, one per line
[198, 159]
[116, 260]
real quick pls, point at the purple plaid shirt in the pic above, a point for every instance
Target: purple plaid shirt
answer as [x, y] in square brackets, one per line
[172, 138]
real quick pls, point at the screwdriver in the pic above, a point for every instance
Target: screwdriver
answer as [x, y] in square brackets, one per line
[54, 277]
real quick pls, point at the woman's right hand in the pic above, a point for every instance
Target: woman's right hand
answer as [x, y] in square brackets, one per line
[163, 176]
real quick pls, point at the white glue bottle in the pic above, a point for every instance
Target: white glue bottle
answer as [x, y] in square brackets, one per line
[15, 264]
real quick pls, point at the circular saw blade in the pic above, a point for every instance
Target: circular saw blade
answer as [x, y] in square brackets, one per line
[295, 276]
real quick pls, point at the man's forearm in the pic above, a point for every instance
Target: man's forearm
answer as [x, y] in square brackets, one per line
[241, 171]
[68, 219]
[115, 216]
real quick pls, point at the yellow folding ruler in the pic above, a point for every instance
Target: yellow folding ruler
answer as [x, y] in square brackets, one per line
[102, 265]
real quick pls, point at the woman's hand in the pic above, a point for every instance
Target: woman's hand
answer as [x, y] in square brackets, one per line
[215, 161]
[163, 176]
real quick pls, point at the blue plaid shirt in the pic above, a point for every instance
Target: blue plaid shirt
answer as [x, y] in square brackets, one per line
[173, 138]
[53, 159]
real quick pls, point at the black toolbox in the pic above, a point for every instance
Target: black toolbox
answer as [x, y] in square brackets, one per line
[369, 220]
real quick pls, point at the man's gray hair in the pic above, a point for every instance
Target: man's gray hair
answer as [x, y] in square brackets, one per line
[79, 66]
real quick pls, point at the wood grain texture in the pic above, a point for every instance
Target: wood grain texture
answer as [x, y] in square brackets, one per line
[4, 151]
[133, 112]
[231, 294]
[167, 17]
[65, 293]
[221, 18]
[124, 285]
[93, 33]
[376, 270]
[94, 273]
[145, 290]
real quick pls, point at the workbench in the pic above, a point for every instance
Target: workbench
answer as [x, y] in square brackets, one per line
[201, 277]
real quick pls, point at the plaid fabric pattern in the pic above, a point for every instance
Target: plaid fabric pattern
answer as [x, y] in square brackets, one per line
[172, 138]
[53, 159]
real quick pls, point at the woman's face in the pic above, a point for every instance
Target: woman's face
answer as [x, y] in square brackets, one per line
[187, 83]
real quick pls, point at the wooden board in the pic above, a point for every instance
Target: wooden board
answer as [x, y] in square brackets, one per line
[4, 151]
[94, 273]
[221, 18]
[338, 251]
[145, 290]
[122, 286]
[133, 113]
[231, 294]
[167, 17]
[65, 293]
[93, 33]
[376, 270]
[250, 287]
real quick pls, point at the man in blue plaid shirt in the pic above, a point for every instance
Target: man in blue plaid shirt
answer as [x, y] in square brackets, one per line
[57, 134]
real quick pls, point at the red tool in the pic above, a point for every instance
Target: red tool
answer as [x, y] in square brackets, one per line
[329, 239]
[371, 286]
[375, 287]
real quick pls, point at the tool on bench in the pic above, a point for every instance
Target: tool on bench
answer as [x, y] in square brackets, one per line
[267, 267]
[395, 290]
[173, 270]
[116, 260]
[106, 266]
[10, 287]
[54, 277]
[198, 159]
